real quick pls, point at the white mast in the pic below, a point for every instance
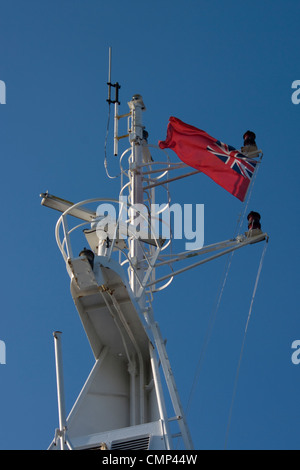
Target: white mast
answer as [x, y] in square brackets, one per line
[137, 107]
[122, 404]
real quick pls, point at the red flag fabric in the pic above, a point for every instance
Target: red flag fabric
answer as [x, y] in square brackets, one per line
[222, 163]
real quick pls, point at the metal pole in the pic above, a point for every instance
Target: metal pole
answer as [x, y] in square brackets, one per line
[238, 245]
[136, 106]
[170, 380]
[60, 388]
[154, 185]
[109, 69]
[116, 130]
[160, 397]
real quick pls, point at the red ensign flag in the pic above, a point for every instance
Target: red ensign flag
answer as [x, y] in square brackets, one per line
[222, 163]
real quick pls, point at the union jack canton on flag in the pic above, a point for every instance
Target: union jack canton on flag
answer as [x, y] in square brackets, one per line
[237, 161]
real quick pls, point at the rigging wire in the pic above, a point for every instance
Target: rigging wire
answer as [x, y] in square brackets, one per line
[209, 332]
[219, 295]
[243, 344]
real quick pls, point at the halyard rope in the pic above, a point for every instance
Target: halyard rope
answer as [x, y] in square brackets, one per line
[243, 344]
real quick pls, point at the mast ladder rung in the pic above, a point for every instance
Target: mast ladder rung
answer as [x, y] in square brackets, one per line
[174, 418]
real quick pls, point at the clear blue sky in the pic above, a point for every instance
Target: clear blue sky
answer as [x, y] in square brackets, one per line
[221, 66]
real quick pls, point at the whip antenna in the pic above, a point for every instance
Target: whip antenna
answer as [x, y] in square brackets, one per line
[116, 102]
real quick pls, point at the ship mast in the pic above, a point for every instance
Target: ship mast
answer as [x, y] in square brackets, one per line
[137, 107]
[122, 402]
[136, 192]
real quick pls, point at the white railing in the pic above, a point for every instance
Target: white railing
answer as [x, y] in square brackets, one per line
[66, 231]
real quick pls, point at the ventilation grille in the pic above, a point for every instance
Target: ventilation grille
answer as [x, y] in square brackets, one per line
[139, 443]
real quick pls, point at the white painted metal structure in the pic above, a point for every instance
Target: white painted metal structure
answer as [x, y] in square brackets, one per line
[122, 404]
